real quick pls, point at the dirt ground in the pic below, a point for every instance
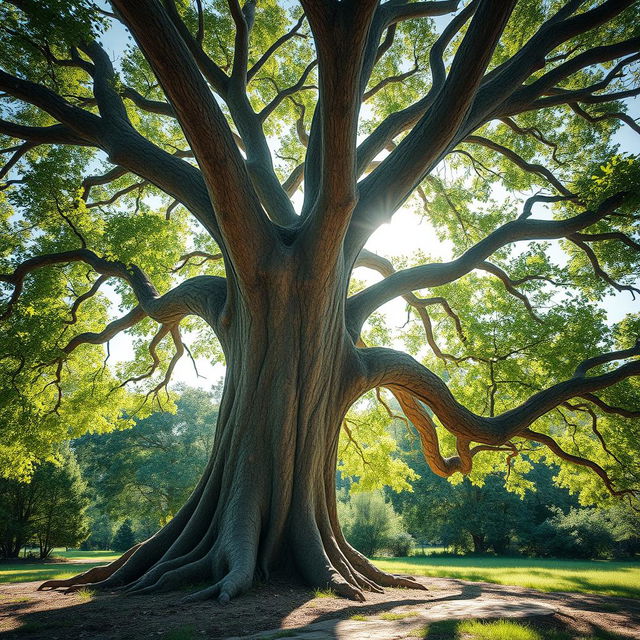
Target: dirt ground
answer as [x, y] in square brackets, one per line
[51, 615]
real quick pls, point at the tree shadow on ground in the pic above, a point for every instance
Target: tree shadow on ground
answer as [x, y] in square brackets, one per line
[55, 616]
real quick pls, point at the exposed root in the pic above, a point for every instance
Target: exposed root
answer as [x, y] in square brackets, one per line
[233, 584]
[375, 575]
[175, 578]
[94, 575]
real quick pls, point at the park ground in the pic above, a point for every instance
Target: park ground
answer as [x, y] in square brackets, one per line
[594, 600]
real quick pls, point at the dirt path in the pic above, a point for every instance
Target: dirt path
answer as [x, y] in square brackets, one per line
[27, 613]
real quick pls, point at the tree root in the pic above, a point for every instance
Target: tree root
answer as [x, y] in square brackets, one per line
[92, 576]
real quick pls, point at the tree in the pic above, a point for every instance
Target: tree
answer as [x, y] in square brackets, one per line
[521, 94]
[127, 470]
[49, 510]
[124, 538]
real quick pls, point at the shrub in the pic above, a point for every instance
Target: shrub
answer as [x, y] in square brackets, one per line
[369, 523]
[581, 533]
[401, 545]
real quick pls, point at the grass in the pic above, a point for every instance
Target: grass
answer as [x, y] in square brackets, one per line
[6, 600]
[86, 594]
[398, 616]
[324, 593]
[359, 617]
[11, 572]
[585, 576]
[496, 630]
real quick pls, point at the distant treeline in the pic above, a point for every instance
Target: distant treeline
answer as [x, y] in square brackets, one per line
[112, 490]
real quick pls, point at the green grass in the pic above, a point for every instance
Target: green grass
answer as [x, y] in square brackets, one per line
[398, 616]
[11, 572]
[586, 576]
[496, 630]
[90, 556]
[324, 593]
[359, 617]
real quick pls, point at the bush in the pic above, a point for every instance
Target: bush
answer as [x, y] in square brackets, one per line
[581, 533]
[401, 545]
[369, 523]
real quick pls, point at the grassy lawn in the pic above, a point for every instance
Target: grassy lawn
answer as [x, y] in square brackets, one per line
[37, 571]
[603, 577]
[587, 576]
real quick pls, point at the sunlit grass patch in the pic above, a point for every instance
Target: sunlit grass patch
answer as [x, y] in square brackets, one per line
[12, 572]
[86, 594]
[585, 576]
[324, 593]
[359, 617]
[497, 630]
[398, 616]
[37, 572]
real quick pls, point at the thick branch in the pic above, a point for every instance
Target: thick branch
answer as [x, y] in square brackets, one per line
[202, 295]
[387, 368]
[239, 213]
[361, 305]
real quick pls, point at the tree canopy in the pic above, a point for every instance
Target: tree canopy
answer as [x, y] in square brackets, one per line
[223, 173]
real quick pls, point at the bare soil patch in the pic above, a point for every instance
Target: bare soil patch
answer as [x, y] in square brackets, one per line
[51, 615]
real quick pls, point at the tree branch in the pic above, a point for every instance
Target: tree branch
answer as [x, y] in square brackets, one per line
[201, 295]
[362, 304]
[386, 188]
[238, 210]
[386, 367]
[274, 47]
[549, 442]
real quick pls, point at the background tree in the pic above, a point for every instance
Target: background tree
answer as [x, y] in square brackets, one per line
[147, 473]
[123, 538]
[158, 178]
[369, 522]
[49, 510]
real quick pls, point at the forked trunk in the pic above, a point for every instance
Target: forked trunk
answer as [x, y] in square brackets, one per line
[267, 497]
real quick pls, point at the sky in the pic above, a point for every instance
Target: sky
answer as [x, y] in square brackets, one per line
[407, 233]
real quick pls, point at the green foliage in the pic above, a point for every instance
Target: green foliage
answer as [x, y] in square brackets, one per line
[580, 533]
[127, 471]
[368, 456]
[123, 538]
[401, 544]
[618, 174]
[49, 510]
[369, 523]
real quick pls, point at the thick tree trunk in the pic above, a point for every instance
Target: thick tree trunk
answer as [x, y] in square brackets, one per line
[267, 497]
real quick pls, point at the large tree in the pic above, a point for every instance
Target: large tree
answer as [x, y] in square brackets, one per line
[499, 117]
